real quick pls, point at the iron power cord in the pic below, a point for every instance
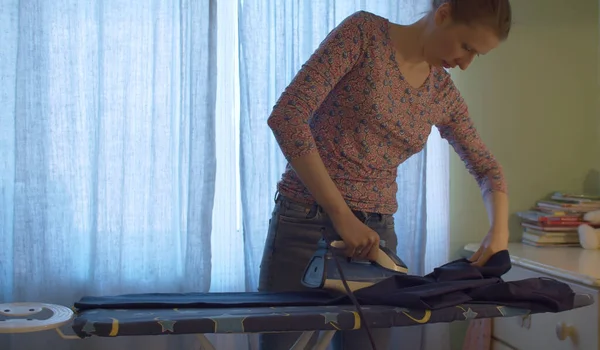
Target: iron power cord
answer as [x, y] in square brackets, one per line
[351, 295]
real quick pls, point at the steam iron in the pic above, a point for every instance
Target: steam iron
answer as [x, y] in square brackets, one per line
[322, 271]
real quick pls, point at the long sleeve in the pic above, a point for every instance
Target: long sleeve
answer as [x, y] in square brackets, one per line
[339, 52]
[458, 129]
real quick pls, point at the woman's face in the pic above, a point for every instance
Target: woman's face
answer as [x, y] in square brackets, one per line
[449, 44]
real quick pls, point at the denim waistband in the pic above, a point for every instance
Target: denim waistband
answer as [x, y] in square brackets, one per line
[362, 215]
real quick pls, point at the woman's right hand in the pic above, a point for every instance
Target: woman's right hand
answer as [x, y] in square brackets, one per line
[359, 239]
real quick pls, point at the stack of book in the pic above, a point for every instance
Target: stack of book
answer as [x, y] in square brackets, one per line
[553, 222]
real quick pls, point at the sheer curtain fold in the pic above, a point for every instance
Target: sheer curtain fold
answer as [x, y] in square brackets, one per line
[135, 155]
[9, 36]
[108, 153]
[198, 166]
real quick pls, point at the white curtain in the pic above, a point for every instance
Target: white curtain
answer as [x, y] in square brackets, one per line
[135, 155]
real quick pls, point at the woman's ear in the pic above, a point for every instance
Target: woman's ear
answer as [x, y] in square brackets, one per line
[443, 15]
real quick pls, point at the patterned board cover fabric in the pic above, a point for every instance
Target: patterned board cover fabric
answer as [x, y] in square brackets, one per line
[127, 322]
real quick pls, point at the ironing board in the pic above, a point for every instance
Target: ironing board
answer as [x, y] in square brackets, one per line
[116, 322]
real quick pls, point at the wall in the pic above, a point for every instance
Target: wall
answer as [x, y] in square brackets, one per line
[536, 102]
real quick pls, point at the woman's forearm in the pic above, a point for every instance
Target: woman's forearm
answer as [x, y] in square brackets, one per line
[496, 204]
[314, 175]
[360, 241]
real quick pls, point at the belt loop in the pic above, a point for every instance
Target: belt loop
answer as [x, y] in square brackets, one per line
[281, 200]
[319, 208]
[365, 215]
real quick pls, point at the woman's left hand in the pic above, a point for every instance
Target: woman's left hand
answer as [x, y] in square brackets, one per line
[496, 240]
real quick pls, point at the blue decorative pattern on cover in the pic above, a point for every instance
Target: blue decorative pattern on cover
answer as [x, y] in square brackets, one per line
[456, 291]
[97, 320]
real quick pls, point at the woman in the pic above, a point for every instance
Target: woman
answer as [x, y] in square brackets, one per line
[362, 104]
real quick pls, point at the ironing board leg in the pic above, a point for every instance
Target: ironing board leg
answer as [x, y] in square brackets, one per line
[324, 340]
[205, 344]
[302, 341]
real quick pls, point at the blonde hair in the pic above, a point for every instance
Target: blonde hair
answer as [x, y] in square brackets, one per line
[495, 14]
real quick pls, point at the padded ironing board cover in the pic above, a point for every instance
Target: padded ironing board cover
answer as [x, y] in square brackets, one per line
[242, 317]
[455, 291]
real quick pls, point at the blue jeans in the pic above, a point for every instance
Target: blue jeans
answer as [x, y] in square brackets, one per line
[294, 231]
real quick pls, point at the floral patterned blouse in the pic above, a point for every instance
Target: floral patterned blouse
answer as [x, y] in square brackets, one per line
[350, 102]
